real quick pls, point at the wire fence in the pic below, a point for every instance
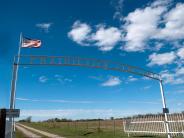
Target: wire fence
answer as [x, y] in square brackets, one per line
[114, 126]
[102, 124]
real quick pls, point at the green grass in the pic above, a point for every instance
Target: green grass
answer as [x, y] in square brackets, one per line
[81, 132]
[18, 134]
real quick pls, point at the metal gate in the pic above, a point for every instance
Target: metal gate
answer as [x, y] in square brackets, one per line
[155, 125]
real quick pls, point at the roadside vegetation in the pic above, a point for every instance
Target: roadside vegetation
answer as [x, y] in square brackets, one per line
[18, 134]
[79, 131]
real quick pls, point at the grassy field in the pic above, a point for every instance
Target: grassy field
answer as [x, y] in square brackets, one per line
[81, 130]
[18, 134]
[111, 128]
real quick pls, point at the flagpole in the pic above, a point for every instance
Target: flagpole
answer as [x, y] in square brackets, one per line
[14, 82]
[15, 73]
[20, 46]
[18, 59]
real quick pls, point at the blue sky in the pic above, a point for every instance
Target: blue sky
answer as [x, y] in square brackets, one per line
[148, 34]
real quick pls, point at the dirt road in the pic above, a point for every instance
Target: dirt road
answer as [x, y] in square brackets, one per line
[29, 131]
[26, 132]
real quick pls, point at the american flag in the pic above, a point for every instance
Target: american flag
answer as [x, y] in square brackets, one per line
[30, 43]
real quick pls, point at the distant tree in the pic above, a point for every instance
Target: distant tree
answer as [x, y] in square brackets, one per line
[111, 118]
[57, 120]
[29, 119]
[22, 120]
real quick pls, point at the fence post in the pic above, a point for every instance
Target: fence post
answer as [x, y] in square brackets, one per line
[87, 125]
[99, 124]
[2, 123]
[68, 124]
[75, 124]
[114, 123]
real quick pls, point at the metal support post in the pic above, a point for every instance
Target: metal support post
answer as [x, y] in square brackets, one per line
[12, 96]
[165, 110]
[13, 86]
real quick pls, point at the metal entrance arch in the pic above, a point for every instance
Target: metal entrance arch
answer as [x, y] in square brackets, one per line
[29, 60]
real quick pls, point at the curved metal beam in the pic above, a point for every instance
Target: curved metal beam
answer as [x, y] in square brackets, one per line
[82, 62]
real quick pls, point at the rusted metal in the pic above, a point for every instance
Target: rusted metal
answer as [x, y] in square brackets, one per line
[28, 60]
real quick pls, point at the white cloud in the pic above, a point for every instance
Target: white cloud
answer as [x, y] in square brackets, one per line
[99, 78]
[131, 78]
[62, 79]
[179, 104]
[161, 3]
[59, 78]
[140, 26]
[43, 79]
[180, 53]
[144, 102]
[44, 26]
[112, 81]
[157, 46]
[146, 87]
[179, 80]
[176, 77]
[67, 80]
[65, 113]
[167, 58]
[180, 71]
[180, 91]
[118, 10]
[167, 77]
[61, 101]
[174, 24]
[22, 99]
[106, 38]
[80, 32]
[144, 24]
[80, 113]
[161, 59]
[142, 29]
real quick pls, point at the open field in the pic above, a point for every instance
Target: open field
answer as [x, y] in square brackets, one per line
[82, 130]
[112, 128]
